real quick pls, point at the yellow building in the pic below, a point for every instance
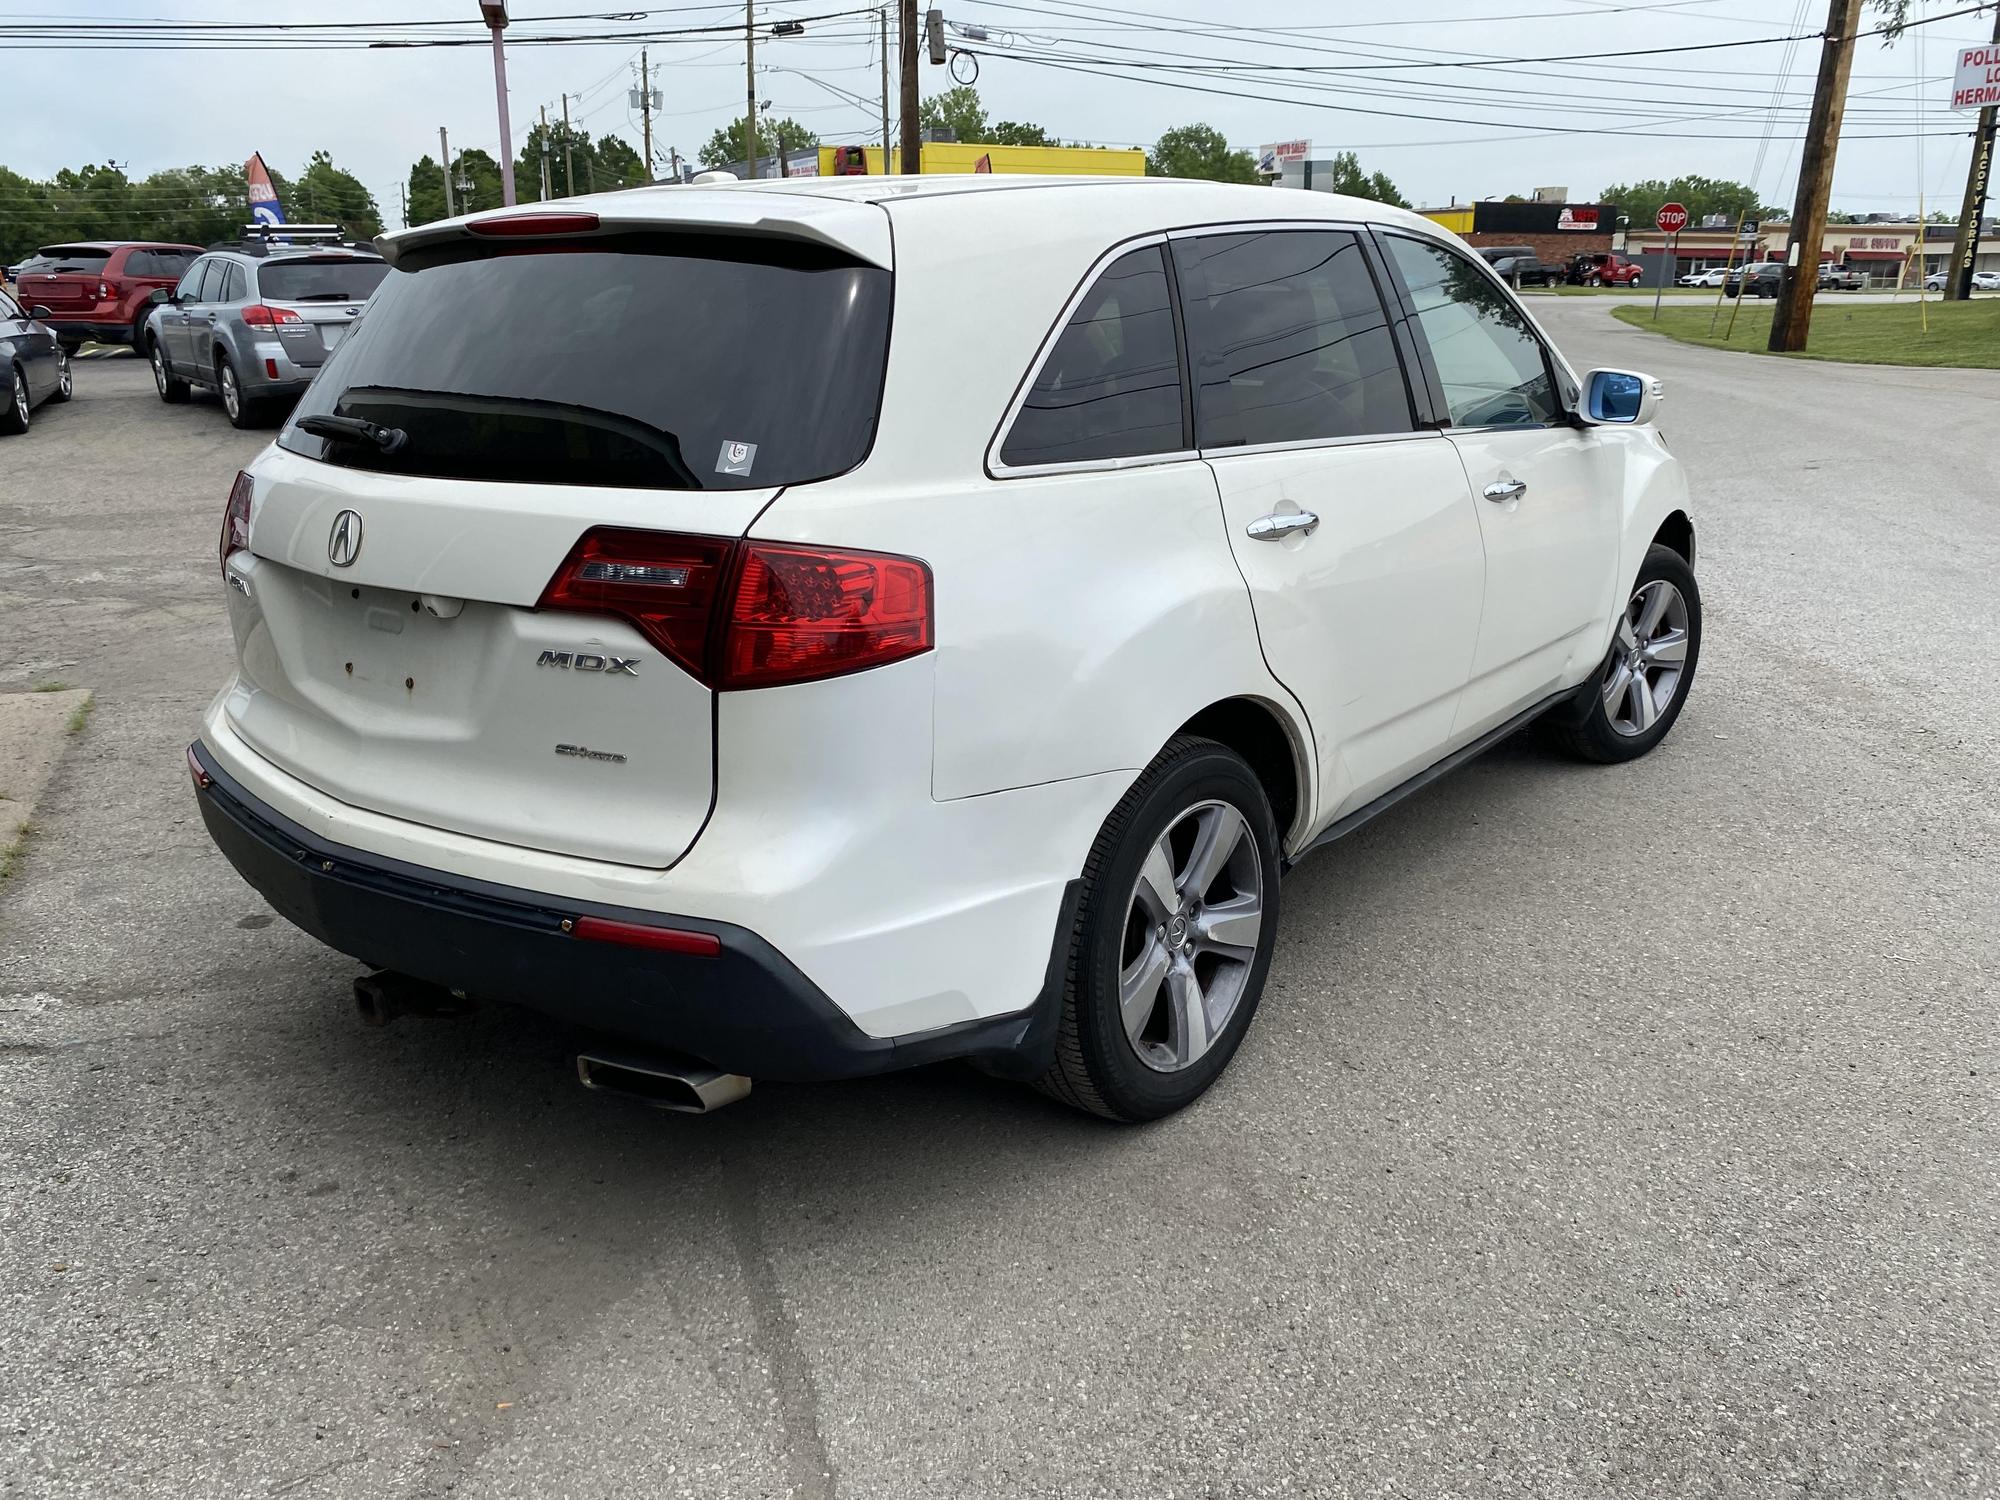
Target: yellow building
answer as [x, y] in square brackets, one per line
[965, 156]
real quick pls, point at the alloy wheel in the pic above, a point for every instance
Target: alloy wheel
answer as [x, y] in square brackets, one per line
[67, 379]
[232, 399]
[21, 397]
[160, 369]
[1649, 659]
[1190, 937]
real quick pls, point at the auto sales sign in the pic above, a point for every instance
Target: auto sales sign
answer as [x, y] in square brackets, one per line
[1976, 84]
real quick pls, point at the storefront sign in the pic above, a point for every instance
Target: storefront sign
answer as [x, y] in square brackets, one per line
[1976, 84]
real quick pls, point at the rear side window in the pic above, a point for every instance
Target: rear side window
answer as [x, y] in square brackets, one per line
[1111, 386]
[1289, 339]
[683, 362]
[162, 265]
[347, 279]
[235, 287]
[1487, 359]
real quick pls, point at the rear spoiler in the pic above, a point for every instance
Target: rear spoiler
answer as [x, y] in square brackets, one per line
[850, 226]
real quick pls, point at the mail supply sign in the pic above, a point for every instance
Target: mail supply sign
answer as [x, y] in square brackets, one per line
[1976, 84]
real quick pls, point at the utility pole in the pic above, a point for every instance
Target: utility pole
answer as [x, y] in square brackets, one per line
[494, 13]
[545, 154]
[444, 150]
[403, 197]
[569, 176]
[750, 85]
[906, 41]
[1965, 249]
[883, 14]
[646, 112]
[1792, 318]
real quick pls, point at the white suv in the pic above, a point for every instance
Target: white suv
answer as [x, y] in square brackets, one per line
[805, 629]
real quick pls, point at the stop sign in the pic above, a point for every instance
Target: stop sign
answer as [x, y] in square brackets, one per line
[1672, 218]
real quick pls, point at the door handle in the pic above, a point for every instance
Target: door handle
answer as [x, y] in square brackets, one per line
[1506, 489]
[1275, 528]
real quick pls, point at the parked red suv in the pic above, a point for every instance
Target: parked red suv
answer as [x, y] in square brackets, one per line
[101, 289]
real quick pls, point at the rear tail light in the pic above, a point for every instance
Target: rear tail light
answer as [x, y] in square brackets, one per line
[751, 614]
[103, 292]
[798, 613]
[235, 521]
[513, 226]
[257, 315]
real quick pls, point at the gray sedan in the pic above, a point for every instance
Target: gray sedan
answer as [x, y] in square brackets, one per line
[255, 328]
[34, 367]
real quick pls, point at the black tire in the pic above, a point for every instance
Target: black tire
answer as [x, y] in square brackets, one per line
[65, 380]
[1592, 735]
[14, 403]
[70, 346]
[139, 335]
[244, 411]
[173, 390]
[1096, 1067]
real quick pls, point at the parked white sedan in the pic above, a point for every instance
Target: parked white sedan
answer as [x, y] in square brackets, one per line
[1713, 276]
[638, 630]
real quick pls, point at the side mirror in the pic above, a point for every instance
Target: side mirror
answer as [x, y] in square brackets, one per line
[39, 311]
[160, 294]
[1620, 398]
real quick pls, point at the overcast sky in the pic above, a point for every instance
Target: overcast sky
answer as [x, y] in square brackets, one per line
[1440, 132]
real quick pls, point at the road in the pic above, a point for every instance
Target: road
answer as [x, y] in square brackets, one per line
[1604, 1133]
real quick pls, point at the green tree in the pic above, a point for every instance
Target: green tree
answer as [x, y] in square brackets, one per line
[727, 145]
[1350, 179]
[614, 164]
[1701, 196]
[1015, 133]
[957, 110]
[1199, 151]
[324, 194]
[475, 186]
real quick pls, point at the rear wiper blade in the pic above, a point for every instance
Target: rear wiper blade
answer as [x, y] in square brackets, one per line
[355, 430]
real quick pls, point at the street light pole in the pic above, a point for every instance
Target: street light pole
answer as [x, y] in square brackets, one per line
[494, 13]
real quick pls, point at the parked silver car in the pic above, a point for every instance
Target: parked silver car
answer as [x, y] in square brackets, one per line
[255, 324]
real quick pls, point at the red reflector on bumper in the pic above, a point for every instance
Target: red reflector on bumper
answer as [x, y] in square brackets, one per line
[271, 368]
[659, 939]
[202, 779]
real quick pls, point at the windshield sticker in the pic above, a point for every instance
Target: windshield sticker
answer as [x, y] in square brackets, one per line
[736, 458]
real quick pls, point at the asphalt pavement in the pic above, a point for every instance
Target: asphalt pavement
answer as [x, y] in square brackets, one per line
[1605, 1132]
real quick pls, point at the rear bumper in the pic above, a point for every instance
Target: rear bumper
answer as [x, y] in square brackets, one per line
[746, 1010]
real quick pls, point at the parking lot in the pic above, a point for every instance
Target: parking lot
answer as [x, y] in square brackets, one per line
[1605, 1132]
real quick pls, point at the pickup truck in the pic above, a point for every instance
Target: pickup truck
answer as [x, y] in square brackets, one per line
[1603, 270]
[1528, 270]
[1833, 278]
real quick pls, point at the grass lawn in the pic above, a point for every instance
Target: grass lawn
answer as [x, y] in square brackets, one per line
[1965, 335]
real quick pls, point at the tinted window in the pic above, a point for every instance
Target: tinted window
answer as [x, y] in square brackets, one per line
[60, 258]
[1489, 363]
[190, 284]
[163, 264]
[1289, 339]
[235, 287]
[349, 279]
[1111, 386]
[689, 363]
[213, 273]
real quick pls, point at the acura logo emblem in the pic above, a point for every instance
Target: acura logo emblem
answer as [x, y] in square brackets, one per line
[343, 543]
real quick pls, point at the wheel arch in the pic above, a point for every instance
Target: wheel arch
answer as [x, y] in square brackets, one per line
[1277, 750]
[1676, 533]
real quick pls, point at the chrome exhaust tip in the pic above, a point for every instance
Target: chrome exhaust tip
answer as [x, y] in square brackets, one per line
[680, 1084]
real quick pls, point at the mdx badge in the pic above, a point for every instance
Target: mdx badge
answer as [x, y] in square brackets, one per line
[343, 543]
[583, 661]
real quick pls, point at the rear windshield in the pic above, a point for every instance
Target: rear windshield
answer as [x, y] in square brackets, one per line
[166, 265]
[58, 258]
[345, 279]
[691, 363]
